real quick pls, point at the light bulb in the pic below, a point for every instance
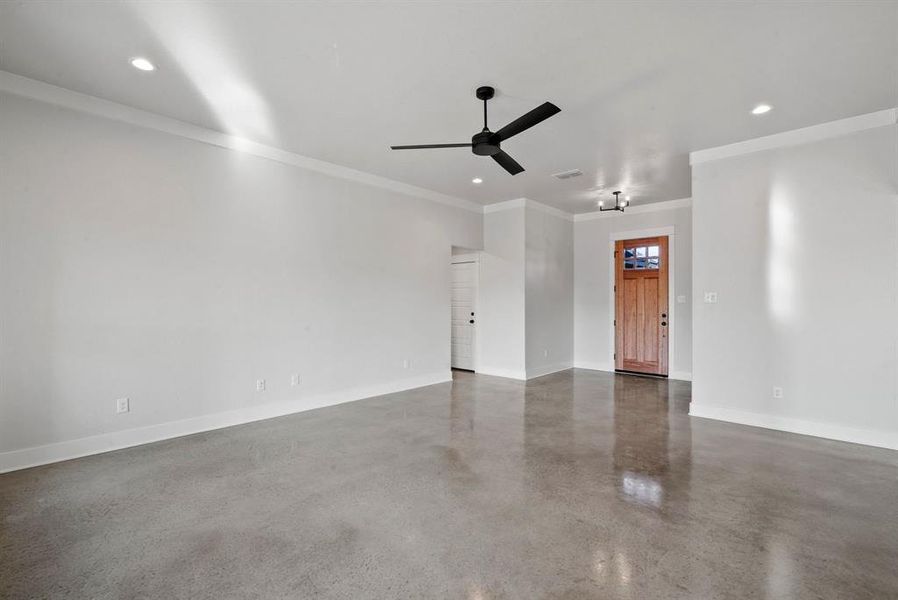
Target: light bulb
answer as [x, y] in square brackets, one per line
[142, 64]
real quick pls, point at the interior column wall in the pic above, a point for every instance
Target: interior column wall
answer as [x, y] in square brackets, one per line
[501, 325]
[549, 253]
[526, 291]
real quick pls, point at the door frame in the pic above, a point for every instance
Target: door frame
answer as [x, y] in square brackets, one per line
[615, 236]
[473, 257]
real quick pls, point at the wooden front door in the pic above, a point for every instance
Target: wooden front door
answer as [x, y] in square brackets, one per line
[640, 306]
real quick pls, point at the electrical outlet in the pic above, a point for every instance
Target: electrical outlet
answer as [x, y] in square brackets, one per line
[294, 380]
[406, 364]
[710, 297]
[777, 392]
[260, 385]
[122, 405]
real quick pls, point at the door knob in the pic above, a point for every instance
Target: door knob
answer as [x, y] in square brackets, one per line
[663, 315]
[471, 321]
[663, 323]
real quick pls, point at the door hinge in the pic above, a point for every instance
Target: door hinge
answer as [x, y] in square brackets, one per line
[615, 322]
[615, 288]
[615, 356]
[615, 254]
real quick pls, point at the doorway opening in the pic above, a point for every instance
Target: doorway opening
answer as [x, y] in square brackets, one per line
[641, 311]
[465, 277]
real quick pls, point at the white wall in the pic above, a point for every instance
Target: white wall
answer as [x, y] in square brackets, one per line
[143, 265]
[549, 300]
[593, 281]
[526, 290]
[501, 321]
[801, 245]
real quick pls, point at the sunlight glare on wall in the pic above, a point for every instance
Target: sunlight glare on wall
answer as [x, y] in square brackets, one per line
[780, 256]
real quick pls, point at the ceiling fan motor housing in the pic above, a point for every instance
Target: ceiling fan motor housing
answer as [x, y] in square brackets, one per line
[485, 143]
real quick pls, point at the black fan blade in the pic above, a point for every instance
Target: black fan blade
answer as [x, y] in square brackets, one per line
[534, 117]
[419, 147]
[507, 162]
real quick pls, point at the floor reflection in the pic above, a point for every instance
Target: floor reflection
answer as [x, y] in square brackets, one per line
[647, 450]
[462, 411]
[551, 458]
[567, 428]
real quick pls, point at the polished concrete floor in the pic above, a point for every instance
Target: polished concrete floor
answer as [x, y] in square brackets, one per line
[580, 484]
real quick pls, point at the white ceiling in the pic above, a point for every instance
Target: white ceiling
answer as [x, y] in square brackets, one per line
[640, 85]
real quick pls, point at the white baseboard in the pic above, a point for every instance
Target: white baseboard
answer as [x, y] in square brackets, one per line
[507, 373]
[524, 375]
[609, 368]
[594, 366]
[867, 437]
[547, 370]
[40, 455]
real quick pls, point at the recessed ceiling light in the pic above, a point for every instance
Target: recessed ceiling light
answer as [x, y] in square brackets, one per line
[477, 181]
[142, 64]
[760, 109]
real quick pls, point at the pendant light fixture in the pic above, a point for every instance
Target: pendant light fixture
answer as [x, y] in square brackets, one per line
[618, 203]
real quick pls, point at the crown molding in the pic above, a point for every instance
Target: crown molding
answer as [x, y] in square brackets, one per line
[528, 203]
[550, 210]
[507, 205]
[795, 137]
[635, 210]
[66, 98]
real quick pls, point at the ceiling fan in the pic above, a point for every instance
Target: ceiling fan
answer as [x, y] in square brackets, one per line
[487, 143]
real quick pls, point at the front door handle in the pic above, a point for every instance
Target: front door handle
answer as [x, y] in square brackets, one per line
[471, 321]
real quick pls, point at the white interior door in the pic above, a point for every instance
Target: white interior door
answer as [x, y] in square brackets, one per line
[464, 296]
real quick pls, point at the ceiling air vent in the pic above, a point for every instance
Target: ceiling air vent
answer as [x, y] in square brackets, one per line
[568, 174]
